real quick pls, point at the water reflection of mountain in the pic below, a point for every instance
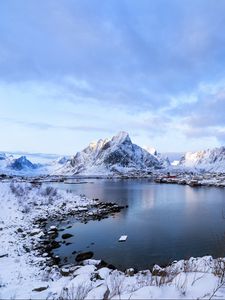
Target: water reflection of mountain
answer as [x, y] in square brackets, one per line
[163, 222]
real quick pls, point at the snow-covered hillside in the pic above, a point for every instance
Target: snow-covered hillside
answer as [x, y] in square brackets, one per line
[212, 160]
[116, 156]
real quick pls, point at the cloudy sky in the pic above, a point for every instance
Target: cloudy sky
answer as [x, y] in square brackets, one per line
[74, 71]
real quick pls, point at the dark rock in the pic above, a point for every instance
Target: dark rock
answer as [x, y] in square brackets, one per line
[97, 277]
[43, 219]
[65, 272]
[40, 289]
[102, 264]
[67, 235]
[84, 255]
[56, 260]
[4, 255]
[106, 294]
[159, 272]
[61, 229]
[35, 232]
[129, 272]
[54, 245]
[112, 267]
[53, 234]
[26, 248]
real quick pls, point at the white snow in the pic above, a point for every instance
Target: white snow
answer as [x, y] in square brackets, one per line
[123, 238]
[175, 163]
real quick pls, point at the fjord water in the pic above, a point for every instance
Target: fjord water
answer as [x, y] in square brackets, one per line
[163, 223]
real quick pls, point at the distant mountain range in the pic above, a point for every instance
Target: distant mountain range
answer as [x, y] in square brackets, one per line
[116, 156]
[211, 160]
[12, 164]
[9, 164]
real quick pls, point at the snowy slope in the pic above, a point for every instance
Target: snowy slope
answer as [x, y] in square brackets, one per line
[212, 160]
[116, 156]
[163, 159]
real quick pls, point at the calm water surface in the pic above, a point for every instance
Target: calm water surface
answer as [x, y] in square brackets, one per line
[163, 223]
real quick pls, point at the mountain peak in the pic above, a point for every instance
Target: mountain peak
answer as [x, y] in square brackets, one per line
[116, 156]
[21, 163]
[121, 137]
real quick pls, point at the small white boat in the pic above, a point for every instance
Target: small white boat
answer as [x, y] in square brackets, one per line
[123, 238]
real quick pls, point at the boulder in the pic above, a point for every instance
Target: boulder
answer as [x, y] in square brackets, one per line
[41, 288]
[65, 271]
[84, 255]
[129, 272]
[35, 232]
[67, 235]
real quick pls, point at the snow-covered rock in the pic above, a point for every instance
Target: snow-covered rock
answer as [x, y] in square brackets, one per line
[212, 160]
[116, 156]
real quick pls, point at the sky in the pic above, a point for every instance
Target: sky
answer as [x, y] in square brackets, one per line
[75, 71]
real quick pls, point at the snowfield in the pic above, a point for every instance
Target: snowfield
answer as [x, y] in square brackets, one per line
[25, 273]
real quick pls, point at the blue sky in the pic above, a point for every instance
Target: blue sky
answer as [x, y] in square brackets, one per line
[75, 71]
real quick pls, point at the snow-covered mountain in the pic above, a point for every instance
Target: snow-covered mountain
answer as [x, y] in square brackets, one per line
[11, 165]
[212, 160]
[21, 163]
[116, 156]
[30, 164]
[163, 159]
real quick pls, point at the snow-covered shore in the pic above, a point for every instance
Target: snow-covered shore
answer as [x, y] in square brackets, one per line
[191, 178]
[27, 273]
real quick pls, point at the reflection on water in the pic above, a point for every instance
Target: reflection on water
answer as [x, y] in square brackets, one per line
[163, 223]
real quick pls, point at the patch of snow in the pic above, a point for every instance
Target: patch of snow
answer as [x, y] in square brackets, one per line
[123, 238]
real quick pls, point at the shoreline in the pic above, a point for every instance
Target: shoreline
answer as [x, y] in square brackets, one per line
[176, 176]
[25, 231]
